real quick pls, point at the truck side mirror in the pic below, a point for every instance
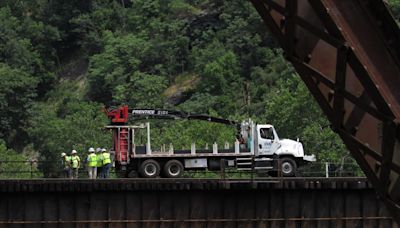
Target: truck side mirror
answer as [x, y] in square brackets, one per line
[298, 139]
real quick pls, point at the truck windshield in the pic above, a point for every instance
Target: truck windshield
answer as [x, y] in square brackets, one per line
[267, 133]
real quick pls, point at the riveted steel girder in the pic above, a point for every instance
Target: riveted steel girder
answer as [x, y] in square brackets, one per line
[347, 53]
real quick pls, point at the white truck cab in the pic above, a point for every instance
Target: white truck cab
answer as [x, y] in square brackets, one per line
[264, 143]
[267, 140]
[268, 143]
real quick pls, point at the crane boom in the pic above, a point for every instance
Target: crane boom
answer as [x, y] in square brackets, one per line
[174, 114]
[123, 113]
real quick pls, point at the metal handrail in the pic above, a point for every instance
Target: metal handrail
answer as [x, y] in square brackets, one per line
[31, 169]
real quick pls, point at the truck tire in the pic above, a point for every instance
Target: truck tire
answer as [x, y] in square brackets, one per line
[173, 169]
[288, 167]
[149, 169]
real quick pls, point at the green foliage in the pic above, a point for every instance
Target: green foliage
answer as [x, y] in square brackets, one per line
[136, 51]
[26, 45]
[60, 14]
[219, 74]
[200, 103]
[143, 90]
[14, 165]
[182, 134]
[17, 93]
[263, 79]
[71, 125]
[220, 81]
[115, 67]
[295, 114]
[88, 27]
[395, 7]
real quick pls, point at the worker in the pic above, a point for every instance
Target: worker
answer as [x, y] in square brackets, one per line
[106, 163]
[99, 157]
[92, 164]
[66, 162]
[75, 164]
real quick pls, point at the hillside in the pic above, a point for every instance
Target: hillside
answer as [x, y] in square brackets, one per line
[62, 61]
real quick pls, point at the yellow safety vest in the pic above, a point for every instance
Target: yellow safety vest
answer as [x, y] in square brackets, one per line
[67, 161]
[106, 158]
[99, 160]
[75, 161]
[92, 160]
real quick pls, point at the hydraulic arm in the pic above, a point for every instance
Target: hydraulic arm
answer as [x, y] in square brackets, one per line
[122, 114]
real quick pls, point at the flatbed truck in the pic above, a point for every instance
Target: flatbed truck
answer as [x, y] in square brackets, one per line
[256, 147]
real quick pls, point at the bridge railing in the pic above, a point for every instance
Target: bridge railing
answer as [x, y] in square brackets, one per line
[37, 169]
[315, 169]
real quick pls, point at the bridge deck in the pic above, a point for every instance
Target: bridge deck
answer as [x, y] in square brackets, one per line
[86, 185]
[293, 202]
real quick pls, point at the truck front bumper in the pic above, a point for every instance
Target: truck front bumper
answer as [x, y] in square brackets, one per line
[310, 158]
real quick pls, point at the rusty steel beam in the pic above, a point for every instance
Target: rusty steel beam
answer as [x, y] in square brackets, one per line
[205, 221]
[289, 202]
[166, 184]
[348, 55]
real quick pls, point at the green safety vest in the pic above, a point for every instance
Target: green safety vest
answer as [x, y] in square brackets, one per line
[92, 159]
[106, 158]
[67, 161]
[75, 162]
[99, 160]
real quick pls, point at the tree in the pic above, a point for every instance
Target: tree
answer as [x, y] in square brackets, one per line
[219, 75]
[26, 45]
[295, 114]
[218, 69]
[14, 165]
[121, 58]
[395, 7]
[181, 134]
[200, 103]
[59, 14]
[138, 49]
[142, 90]
[17, 93]
[88, 27]
[72, 125]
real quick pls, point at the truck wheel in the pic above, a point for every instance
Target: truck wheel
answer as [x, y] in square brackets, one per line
[173, 169]
[288, 167]
[149, 169]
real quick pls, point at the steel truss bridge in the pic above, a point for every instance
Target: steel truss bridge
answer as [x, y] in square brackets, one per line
[289, 202]
[348, 55]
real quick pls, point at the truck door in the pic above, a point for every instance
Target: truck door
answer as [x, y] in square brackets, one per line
[268, 141]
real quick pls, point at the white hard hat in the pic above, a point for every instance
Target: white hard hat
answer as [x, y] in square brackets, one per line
[91, 149]
[98, 149]
[63, 154]
[74, 152]
[103, 150]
